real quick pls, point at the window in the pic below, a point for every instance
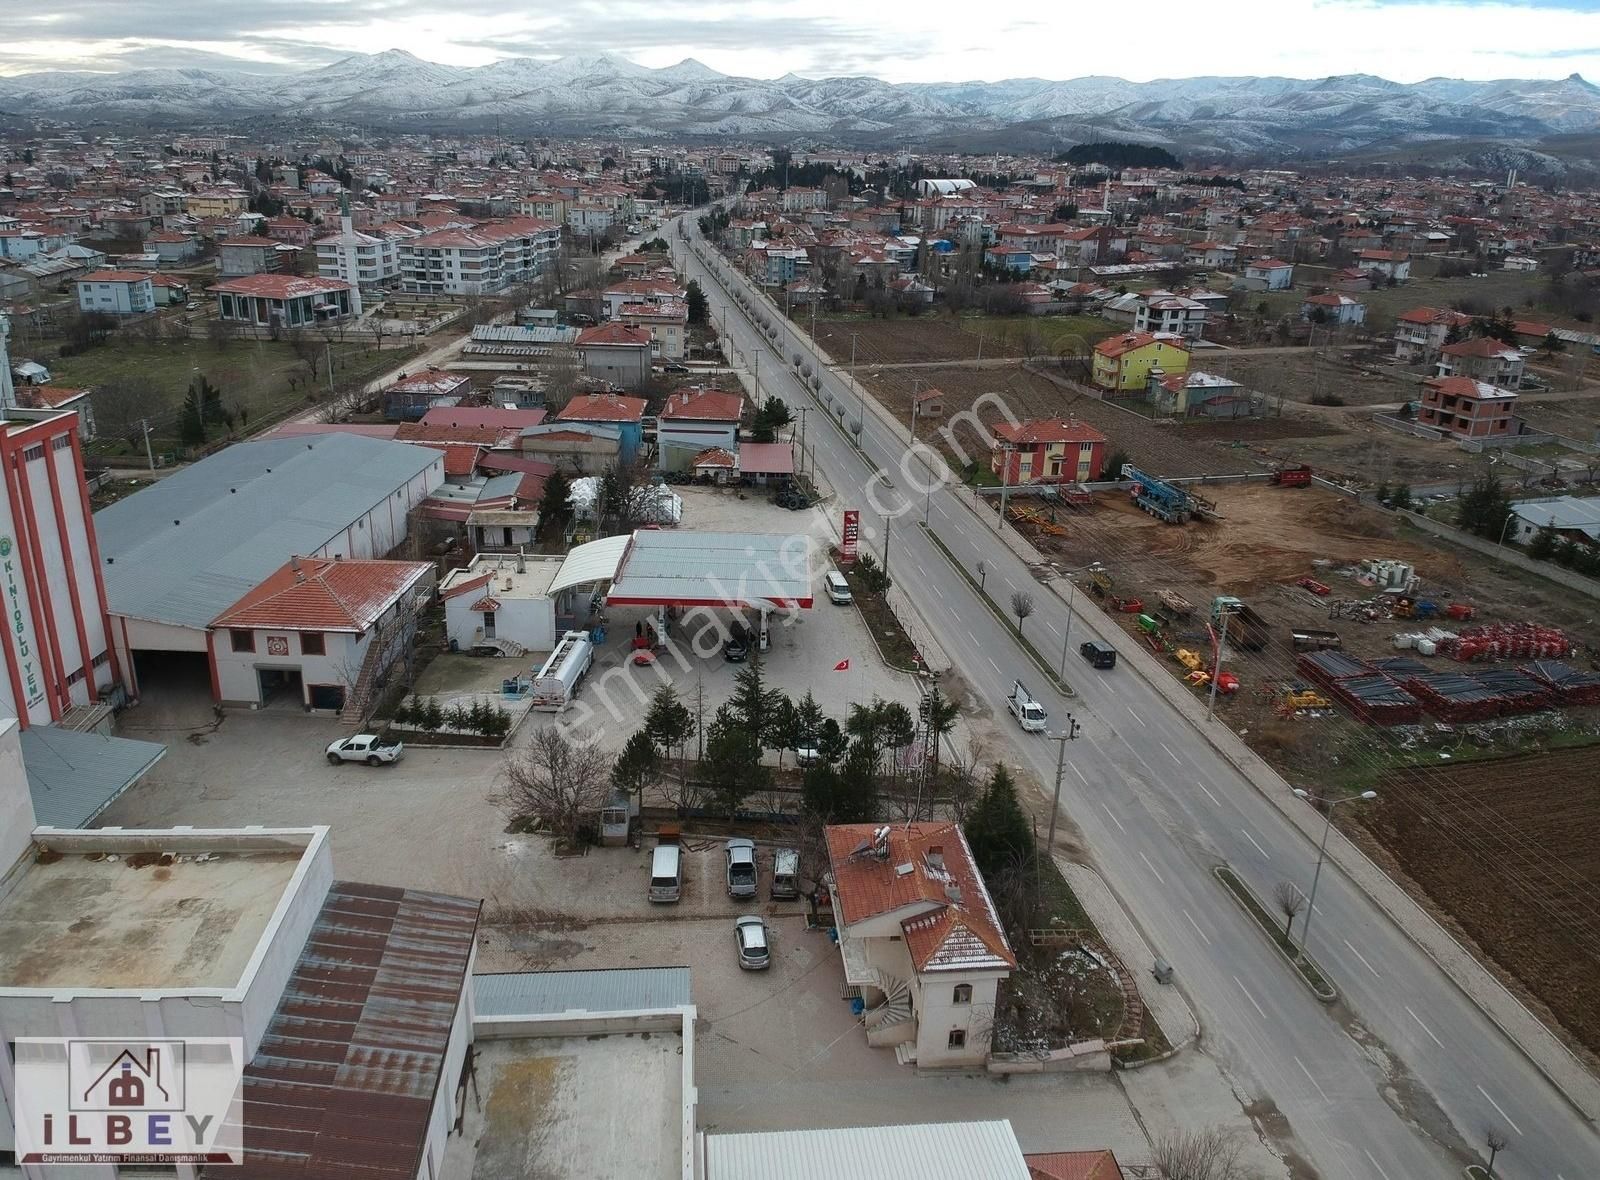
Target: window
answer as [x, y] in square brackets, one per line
[242, 640]
[312, 643]
[963, 994]
[958, 1039]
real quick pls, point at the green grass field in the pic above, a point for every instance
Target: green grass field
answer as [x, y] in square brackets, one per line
[260, 381]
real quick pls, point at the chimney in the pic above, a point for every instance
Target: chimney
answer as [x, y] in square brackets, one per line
[299, 574]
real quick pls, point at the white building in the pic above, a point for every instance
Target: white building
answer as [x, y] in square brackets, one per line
[479, 260]
[919, 936]
[317, 631]
[180, 552]
[302, 968]
[116, 292]
[1162, 311]
[515, 603]
[692, 421]
[1335, 308]
[363, 260]
[1269, 274]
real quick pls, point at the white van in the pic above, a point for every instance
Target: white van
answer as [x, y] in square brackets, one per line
[838, 589]
[785, 874]
[666, 872]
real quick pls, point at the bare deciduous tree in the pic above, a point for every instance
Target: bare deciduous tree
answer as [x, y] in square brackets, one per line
[1021, 606]
[962, 781]
[1290, 902]
[1210, 1154]
[557, 783]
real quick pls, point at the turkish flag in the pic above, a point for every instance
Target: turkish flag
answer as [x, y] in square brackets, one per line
[842, 666]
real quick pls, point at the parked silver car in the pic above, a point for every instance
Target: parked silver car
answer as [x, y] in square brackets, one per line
[740, 856]
[750, 937]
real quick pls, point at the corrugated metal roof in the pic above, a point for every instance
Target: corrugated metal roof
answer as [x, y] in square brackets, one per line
[73, 776]
[593, 561]
[735, 569]
[242, 513]
[987, 1149]
[344, 1079]
[540, 993]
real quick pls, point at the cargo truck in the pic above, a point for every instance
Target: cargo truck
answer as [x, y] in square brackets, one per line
[1245, 629]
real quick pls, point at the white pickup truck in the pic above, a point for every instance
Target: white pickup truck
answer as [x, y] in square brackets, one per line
[365, 747]
[1029, 713]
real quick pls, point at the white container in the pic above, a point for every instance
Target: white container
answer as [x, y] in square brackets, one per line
[1426, 647]
[1404, 641]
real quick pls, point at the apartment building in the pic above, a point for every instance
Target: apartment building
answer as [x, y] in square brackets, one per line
[484, 258]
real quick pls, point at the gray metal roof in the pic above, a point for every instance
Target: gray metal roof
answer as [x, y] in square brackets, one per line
[987, 1149]
[241, 514]
[699, 569]
[541, 993]
[73, 776]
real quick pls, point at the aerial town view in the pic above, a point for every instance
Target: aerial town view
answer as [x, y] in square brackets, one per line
[799, 592]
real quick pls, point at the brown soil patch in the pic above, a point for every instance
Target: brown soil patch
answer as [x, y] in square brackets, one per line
[1507, 847]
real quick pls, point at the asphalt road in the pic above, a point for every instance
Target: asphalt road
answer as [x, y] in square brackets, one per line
[1402, 1079]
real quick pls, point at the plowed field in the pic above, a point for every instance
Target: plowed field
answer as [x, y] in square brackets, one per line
[1508, 849]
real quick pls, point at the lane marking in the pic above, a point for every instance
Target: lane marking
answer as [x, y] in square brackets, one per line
[1170, 754]
[1312, 1080]
[936, 589]
[1375, 1163]
[1424, 1027]
[1079, 773]
[1114, 819]
[1203, 936]
[1153, 868]
[1254, 845]
[972, 637]
[1363, 959]
[992, 664]
[1249, 997]
[1132, 714]
[1209, 795]
[1498, 1107]
[1051, 627]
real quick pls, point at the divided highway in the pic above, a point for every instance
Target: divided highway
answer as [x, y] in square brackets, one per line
[1403, 1080]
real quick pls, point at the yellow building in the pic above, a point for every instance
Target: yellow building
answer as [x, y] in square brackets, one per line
[214, 203]
[1122, 364]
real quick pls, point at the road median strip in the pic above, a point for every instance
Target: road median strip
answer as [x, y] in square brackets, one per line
[1310, 974]
[1044, 665]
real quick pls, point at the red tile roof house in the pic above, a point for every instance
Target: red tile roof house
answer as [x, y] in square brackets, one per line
[1420, 333]
[919, 935]
[616, 353]
[693, 420]
[1056, 449]
[286, 300]
[1467, 408]
[616, 411]
[1482, 358]
[316, 634]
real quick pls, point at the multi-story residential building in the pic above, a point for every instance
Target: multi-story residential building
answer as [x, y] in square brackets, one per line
[1482, 358]
[918, 935]
[590, 217]
[215, 203]
[1391, 264]
[667, 323]
[1122, 364]
[1058, 449]
[172, 246]
[1419, 334]
[364, 260]
[1468, 408]
[1176, 315]
[116, 292]
[545, 207]
[248, 255]
[798, 200]
[482, 259]
[1270, 273]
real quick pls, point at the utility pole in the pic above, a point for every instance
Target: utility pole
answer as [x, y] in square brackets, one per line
[860, 396]
[1005, 487]
[1223, 615]
[149, 457]
[1322, 850]
[327, 350]
[886, 523]
[1061, 741]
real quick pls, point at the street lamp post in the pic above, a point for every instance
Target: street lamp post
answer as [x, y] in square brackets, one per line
[1223, 615]
[861, 396]
[1322, 850]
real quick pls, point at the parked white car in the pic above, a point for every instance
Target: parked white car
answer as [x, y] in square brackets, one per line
[365, 747]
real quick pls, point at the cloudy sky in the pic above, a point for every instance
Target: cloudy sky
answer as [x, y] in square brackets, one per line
[936, 40]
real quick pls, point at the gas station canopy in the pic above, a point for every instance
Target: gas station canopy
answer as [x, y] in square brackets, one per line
[756, 570]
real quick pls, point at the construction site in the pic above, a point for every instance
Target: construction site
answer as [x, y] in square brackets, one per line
[1356, 653]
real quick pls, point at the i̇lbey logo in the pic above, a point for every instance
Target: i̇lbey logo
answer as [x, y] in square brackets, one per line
[167, 1101]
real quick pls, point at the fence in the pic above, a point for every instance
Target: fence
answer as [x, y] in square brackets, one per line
[1509, 556]
[1407, 426]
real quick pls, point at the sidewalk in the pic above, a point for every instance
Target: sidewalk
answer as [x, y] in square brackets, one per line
[1537, 1042]
[1178, 1022]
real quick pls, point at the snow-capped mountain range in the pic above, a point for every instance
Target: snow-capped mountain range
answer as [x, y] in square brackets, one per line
[605, 95]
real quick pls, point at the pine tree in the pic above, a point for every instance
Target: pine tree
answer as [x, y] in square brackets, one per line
[555, 507]
[997, 829]
[636, 767]
[1543, 545]
[668, 722]
[191, 419]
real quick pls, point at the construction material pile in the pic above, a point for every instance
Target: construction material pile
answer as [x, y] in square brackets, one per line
[1368, 693]
[1572, 686]
[1502, 641]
